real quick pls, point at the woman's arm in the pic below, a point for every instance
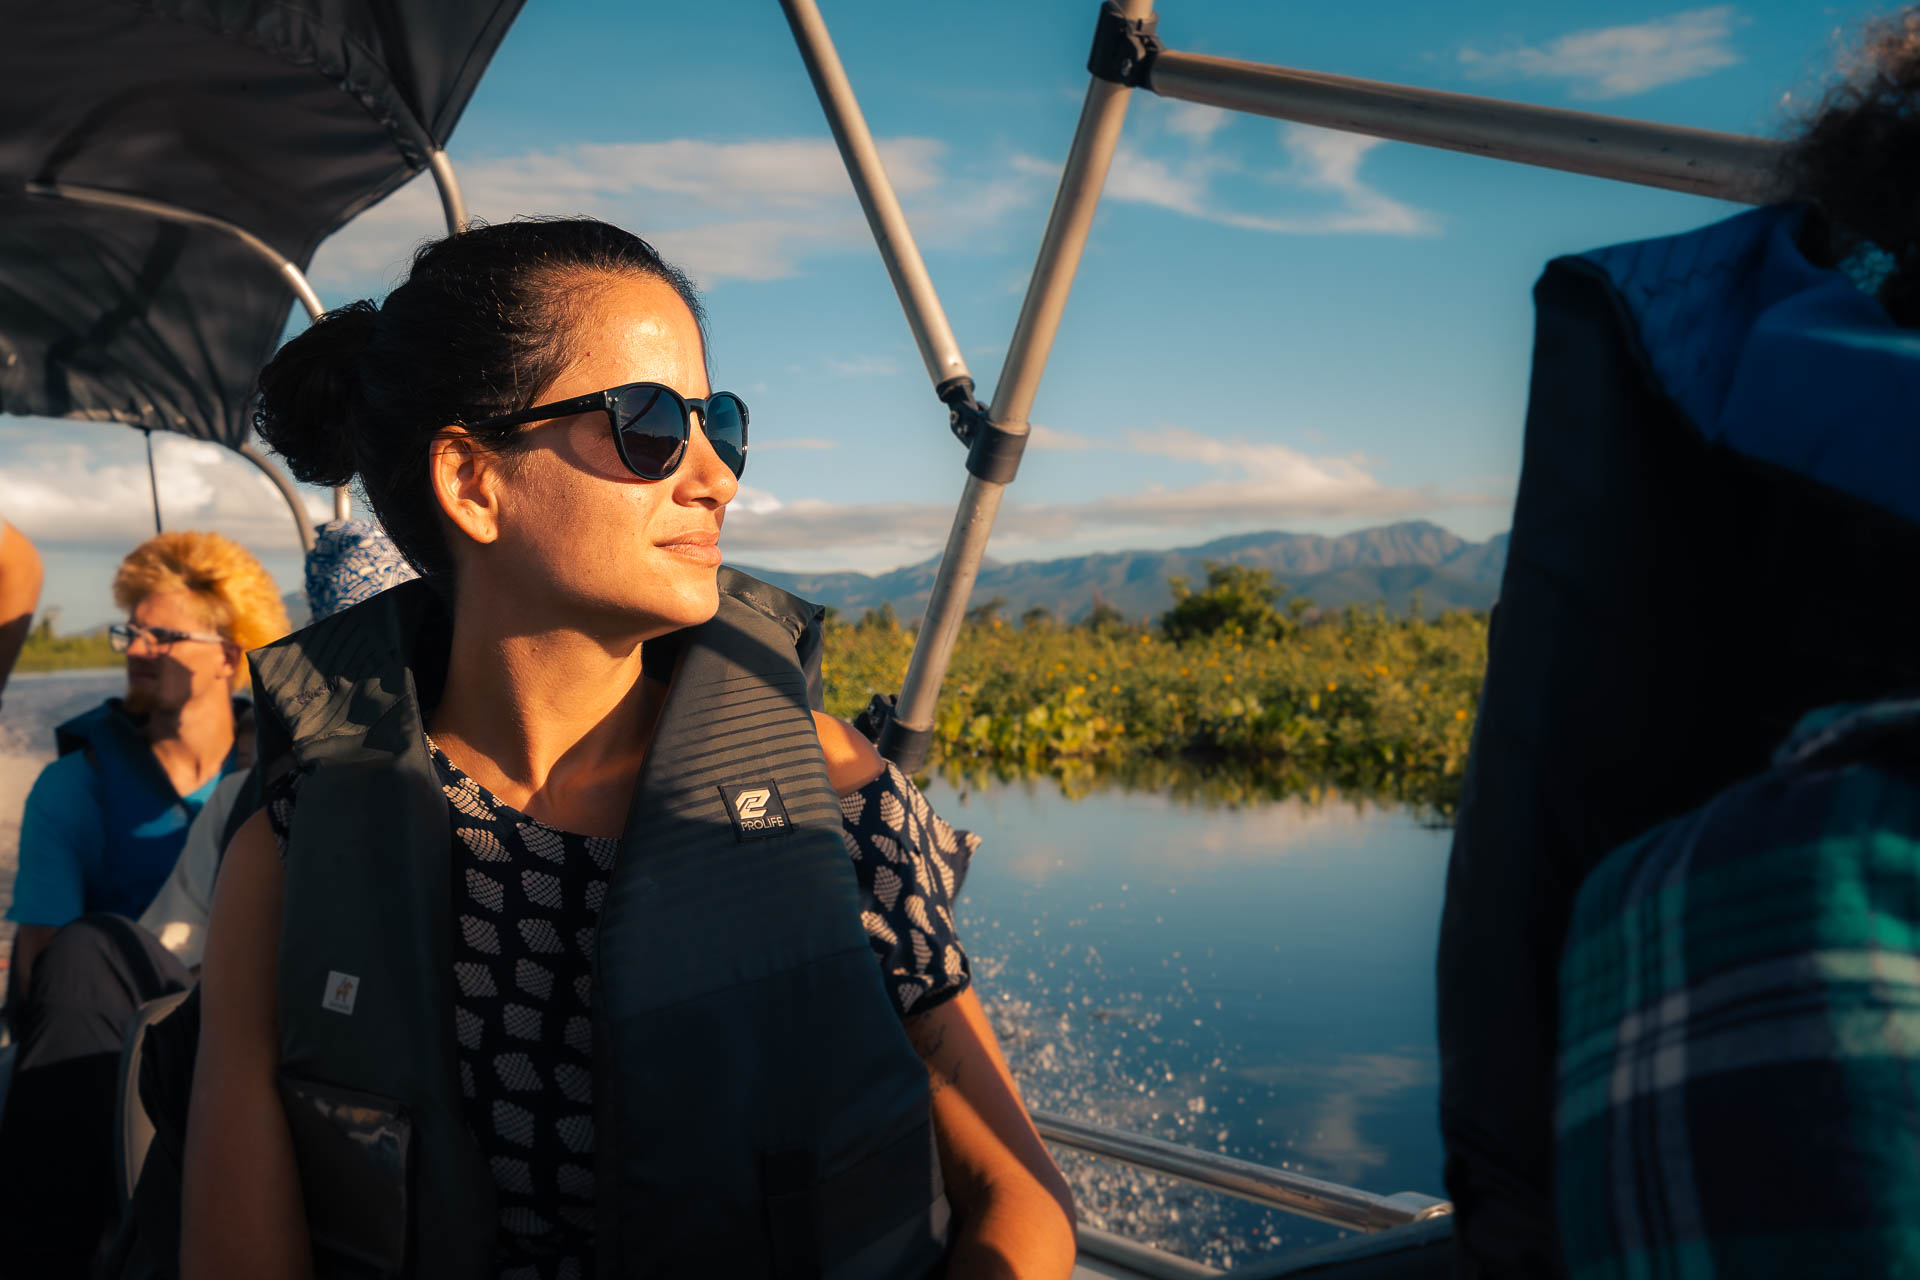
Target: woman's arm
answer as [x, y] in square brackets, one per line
[851, 760]
[1013, 1213]
[241, 1213]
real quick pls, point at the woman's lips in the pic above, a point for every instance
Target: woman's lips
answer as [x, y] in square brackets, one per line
[700, 548]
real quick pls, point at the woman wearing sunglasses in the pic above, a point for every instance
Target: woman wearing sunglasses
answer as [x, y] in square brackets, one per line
[572, 941]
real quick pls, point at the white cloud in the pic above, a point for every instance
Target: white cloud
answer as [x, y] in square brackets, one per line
[754, 501]
[1257, 484]
[795, 442]
[1195, 121]
[1320, 164]
[723, 210]
[1062, 441]
[1617, 62]
[76, 493]
[861, 366]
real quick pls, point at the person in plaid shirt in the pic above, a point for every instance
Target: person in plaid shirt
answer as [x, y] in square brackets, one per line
[1739, 992]
[1716, 523]
[1740, 1024]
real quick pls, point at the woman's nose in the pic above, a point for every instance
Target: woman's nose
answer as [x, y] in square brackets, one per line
[703, 475]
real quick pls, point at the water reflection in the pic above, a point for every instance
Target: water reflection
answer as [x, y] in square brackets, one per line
[1203, 783]
[1252, 978]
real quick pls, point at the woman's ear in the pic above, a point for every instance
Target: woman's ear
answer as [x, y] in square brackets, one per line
[466, 482]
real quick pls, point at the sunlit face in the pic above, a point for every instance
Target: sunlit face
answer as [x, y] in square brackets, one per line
[168, 678]
[584, 540]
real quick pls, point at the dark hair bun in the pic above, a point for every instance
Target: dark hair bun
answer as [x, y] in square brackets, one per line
[312, 406]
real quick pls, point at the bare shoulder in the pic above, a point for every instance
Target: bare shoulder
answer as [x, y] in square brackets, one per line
[851, 760]
[243, 930]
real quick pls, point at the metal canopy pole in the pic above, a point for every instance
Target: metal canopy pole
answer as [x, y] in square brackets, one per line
[1097, 134]
[931, 332]
[295, 278]
[452, 202]
[287, 491]
[153, 480]
[1727, 166]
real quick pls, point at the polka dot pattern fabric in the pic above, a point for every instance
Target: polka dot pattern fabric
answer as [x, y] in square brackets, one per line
[910, 862]
[526, 904]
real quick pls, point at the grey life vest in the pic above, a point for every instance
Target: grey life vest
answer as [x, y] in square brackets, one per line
[759, 1110]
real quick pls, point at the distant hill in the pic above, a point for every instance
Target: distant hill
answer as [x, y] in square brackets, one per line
[1388, 564]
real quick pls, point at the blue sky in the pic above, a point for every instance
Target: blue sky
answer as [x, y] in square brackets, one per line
[1273, 327]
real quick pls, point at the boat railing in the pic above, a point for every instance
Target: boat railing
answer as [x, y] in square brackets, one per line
[1284, 1189]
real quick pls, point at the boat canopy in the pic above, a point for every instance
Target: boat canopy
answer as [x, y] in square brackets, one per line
[168, 167]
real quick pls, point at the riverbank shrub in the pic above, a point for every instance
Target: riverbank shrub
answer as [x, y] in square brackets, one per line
[1362, 701]
[1238, 600]
[45, 651]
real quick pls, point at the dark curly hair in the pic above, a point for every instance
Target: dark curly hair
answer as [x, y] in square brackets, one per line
[1856, 158]
[478, 329]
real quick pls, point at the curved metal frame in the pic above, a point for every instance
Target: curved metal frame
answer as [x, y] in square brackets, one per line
[287, 491]
[296, 280]
[452, 203]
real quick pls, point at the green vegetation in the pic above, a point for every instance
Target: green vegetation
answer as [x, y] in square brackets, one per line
[1229, 682]
[1232, 696]
[44, 651]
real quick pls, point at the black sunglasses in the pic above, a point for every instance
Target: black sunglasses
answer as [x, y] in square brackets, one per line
[652, 424]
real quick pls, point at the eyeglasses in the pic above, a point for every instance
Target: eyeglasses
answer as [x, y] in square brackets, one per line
[651, 425]
[121, 636]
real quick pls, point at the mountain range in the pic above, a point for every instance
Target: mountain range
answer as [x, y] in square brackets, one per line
[1388, 564]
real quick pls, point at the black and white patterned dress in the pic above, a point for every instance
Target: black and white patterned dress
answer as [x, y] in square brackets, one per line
[526, 904]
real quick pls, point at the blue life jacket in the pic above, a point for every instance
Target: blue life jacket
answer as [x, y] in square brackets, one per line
[144, 818]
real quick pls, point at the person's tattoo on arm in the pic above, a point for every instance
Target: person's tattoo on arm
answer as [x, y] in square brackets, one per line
[929, 1037]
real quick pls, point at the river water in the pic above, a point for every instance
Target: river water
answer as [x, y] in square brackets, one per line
[1255, 979]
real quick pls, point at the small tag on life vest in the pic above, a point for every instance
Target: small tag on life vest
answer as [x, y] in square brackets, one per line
[342, 990]
[756, 808]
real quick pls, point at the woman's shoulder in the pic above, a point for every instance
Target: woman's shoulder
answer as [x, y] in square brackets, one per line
[890, 816]
[909, 862]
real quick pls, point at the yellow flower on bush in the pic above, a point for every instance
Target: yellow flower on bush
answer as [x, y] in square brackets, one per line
[1461, 714]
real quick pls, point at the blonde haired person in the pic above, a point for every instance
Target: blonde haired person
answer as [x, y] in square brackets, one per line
[103, 827]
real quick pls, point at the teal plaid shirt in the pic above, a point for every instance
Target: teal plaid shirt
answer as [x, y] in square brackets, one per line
[1739, 1069]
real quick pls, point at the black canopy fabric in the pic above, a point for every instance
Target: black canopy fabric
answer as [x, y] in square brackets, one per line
[283, 117]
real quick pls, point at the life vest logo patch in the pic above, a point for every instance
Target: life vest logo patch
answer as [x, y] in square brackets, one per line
[342, 990]
[756, 808]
